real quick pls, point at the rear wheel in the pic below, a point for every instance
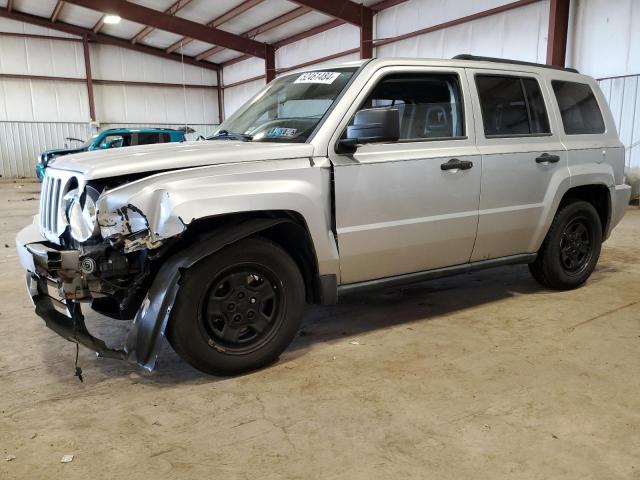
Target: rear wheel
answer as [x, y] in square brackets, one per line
[238, 309]
[571, 249]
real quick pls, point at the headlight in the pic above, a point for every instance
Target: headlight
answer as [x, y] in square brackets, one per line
[80, 211]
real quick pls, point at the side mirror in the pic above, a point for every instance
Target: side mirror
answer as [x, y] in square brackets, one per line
[373, 125]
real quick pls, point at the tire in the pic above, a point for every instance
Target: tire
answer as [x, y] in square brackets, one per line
[238, 309]
[571, 249]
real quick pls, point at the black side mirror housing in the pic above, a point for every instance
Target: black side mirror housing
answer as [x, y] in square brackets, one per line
[372, 125]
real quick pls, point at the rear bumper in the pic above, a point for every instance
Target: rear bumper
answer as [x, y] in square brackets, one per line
[620, 198]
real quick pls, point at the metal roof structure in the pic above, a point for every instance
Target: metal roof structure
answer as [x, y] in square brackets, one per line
[206, 34]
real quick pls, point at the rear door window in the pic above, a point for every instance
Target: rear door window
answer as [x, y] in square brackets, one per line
[147, 138]
[511, 106]
[578, 107]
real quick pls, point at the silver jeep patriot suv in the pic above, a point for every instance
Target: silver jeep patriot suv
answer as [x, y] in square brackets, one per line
[366, 174]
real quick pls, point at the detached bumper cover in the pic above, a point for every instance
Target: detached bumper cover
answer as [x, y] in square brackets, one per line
[62, 315]
[66, 319]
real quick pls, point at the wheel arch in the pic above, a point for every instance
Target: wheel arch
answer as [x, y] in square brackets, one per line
[287, 228]
[202, 239]
[596, 194]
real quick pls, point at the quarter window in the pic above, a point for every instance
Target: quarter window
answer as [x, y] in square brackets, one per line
[430, 106]
[578, 107]
[511, 106]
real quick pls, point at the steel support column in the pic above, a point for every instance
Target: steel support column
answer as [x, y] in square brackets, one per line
[366, 33]
[558, 29]
[269, 63]
[220, 97]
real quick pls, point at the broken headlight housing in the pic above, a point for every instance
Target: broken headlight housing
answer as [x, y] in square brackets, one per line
[81, 213]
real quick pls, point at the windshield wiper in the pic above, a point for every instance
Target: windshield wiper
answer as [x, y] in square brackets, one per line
[243, 137]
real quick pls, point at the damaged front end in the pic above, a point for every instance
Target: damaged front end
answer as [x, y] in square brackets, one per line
[88, 251]
[122, 253]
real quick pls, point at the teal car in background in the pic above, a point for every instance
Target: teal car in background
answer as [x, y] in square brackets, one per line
[111, 138]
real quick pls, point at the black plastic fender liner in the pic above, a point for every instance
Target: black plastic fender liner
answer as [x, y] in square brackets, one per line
[145, 337]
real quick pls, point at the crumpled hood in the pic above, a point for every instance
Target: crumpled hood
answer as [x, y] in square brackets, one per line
[166, 156]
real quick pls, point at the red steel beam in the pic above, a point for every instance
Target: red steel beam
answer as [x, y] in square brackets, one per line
[216, 22]
[345, 10]
[56, 11]
[384, 4]
[366, 33]
[101, 38]
[171, 23]
[265, 27]
[558, 30]
[385, 41]
[42, 37]
[220, 96]
[270, 63]
[377, 7]
[96, 81]
[99, 24]
[172, 10]
[89, 78]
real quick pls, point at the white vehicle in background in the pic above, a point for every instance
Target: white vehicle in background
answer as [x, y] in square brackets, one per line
[368, 174]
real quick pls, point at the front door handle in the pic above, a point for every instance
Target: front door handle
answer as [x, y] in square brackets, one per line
[546, 158]
[455, 164]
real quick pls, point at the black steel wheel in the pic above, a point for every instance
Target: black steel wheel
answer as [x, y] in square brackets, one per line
[238, 309]
[571, 249]
[575, 246]
[241, 309]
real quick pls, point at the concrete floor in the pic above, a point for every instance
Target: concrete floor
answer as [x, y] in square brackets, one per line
[482, 376]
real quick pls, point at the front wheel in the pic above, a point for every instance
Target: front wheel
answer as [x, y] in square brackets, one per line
[237, 309]
[571, 249]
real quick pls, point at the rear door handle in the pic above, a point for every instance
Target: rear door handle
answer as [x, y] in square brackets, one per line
[546, 158]
[455, 164]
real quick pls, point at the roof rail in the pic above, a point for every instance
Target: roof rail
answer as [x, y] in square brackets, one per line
[466, 56]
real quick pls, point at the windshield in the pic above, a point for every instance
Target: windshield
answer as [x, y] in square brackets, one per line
[288, 109]
[90, 143]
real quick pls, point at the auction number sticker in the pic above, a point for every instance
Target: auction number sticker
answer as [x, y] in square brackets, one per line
[317, 77]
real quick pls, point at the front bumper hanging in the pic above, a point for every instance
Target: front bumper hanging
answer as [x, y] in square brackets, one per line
[55, 285]
[65, 317]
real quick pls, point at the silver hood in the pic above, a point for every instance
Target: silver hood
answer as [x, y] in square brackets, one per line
[166, 156]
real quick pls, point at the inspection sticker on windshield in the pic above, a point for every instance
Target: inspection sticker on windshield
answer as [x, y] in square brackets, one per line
[282, 132]
[317, 77]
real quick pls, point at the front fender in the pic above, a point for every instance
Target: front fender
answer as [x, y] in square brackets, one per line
[165, 204]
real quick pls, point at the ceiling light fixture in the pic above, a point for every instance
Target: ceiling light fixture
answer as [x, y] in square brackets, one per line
[112, 19]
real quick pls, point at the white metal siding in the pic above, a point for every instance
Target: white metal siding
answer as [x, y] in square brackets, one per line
[139, 104]
[22, 142]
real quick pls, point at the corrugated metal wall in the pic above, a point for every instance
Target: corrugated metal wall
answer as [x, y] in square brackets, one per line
[604, 42]
[518, 34]
[21, 142]
[36, 115]
[623, 95]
